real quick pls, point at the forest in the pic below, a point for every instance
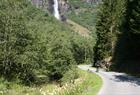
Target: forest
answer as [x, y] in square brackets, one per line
[39, 52]
[118, 35]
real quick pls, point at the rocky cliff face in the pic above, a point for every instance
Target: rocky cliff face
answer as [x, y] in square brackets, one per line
[48, 5]
[63, 8]
[92, 1]
[40, 3]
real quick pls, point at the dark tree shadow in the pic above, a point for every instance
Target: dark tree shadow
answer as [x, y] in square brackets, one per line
[126, 78]
[127, 54]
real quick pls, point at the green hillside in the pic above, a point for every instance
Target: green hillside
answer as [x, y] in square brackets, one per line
[40, 49]
[36, 49]
[84, 14]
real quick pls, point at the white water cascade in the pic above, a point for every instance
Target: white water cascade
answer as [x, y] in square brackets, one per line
[56, 10]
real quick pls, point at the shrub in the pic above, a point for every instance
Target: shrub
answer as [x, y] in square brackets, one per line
[15, 42]
[36, 48]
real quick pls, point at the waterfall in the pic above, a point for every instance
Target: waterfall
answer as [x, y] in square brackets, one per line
[56, 10]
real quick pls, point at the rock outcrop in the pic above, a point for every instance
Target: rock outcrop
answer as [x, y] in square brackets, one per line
[40, 3]
[48, 5]
[92, 1]
[63, 8]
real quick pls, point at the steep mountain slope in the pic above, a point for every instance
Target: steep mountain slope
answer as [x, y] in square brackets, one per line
[35, 43]
[78, 28]
[60, 9]
[37, 49]
[52, 5]
[27, 32]
[83, 13]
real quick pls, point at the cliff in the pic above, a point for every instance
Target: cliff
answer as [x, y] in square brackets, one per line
[63, 6]
[48, 5]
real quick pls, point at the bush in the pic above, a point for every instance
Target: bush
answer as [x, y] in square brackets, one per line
[15, 43]
[70, 75]
[82, 50]
[36, 48]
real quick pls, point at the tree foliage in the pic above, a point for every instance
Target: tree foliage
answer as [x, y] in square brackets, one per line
[118, 34]
[127, 51]
[110, 17]
[35, 47]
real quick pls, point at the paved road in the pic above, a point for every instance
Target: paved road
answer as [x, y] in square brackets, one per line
[116, 83]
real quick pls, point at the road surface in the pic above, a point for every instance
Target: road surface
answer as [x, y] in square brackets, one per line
[116, 83]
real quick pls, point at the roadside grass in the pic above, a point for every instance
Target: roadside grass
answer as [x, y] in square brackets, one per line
[92, 83]
[87, 84]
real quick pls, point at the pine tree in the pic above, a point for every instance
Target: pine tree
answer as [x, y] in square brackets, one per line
[134, 16]
[104, 27]
[127, 50]
[133, 20]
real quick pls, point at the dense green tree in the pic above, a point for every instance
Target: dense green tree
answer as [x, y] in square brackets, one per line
[15, 43]
[118, 34]
[35, 47]
[110, 18]
[103, 48]
[127, 54]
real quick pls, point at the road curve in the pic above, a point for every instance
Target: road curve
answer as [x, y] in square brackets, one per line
[115, 83]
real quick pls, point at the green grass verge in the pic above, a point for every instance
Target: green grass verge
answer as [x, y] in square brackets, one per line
[90, 85]
[87, 84]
